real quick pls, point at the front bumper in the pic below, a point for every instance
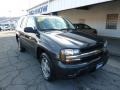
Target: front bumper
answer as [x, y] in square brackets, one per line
[71, 69]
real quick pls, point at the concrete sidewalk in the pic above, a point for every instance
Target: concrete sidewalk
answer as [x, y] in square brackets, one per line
[113, 45]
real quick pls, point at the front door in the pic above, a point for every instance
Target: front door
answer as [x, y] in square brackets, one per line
[31, 38]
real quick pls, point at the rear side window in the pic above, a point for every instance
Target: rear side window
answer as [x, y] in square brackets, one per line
[23, 23]
[19, 22]
[30, 22]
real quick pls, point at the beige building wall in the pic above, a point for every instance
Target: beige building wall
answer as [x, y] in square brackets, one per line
[96, 17]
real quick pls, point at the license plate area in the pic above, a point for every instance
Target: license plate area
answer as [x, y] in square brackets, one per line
[99, 65]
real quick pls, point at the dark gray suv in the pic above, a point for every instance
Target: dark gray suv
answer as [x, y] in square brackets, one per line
[61, 49]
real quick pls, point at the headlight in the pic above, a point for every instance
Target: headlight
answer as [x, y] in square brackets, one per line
[68, 52]
[105, 44]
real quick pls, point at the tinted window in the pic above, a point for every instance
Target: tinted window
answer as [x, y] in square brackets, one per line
[82, 26]
[86, 26]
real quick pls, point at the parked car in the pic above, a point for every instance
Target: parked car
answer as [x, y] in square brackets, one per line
[6, 27]
[61, 49]
[85, 29]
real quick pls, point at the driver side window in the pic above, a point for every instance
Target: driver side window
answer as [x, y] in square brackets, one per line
[30, 22]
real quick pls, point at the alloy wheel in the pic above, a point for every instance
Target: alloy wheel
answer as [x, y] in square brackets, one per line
[45, 67]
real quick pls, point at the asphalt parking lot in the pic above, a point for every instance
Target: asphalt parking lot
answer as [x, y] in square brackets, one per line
[21, 71]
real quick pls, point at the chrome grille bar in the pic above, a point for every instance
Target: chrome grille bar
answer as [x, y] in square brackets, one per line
[84, 54]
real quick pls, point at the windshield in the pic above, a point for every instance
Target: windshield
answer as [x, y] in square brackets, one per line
[53, 23]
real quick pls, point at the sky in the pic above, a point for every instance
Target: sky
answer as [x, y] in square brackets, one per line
[14, 8]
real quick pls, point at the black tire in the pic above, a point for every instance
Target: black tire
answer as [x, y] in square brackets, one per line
[48, 74]
[20, 47]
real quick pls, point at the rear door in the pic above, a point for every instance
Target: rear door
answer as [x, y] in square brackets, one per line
[20, 30]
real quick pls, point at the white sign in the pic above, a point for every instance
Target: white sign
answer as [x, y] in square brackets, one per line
[41, 9]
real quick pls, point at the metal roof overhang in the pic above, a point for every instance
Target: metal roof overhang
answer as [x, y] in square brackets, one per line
[57, 5]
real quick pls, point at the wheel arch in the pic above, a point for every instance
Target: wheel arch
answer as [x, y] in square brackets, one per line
[41, 50]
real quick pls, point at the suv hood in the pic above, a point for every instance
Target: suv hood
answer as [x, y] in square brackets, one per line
[73, 39]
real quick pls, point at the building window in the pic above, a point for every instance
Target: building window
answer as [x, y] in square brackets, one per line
[111, 22]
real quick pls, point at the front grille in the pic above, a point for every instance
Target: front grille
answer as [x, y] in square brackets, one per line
[90, 58]
[87, 57]
[89, 54]
[98, 46]
[92, 48]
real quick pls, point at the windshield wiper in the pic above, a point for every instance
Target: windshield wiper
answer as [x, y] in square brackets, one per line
[57, 29]
[47, 29]
[68, 29]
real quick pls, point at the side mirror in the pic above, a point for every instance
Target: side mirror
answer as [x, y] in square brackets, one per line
[29, 30]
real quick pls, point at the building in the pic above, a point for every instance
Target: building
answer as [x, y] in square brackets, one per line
[103, 15]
